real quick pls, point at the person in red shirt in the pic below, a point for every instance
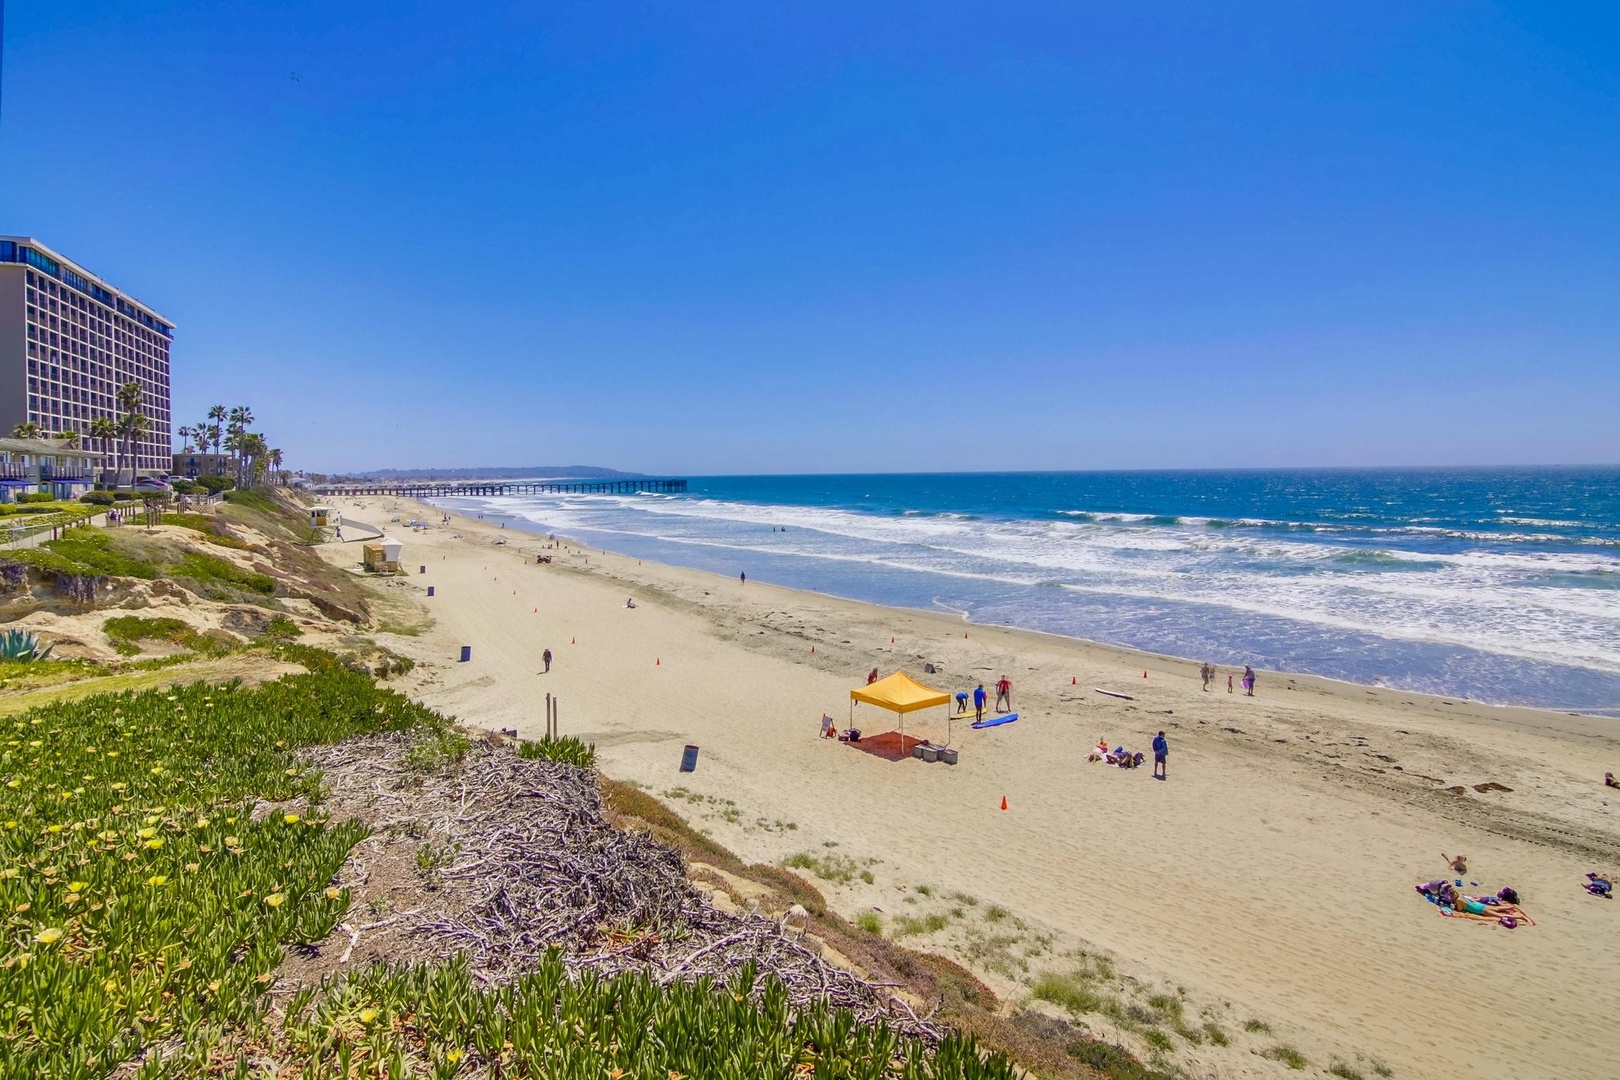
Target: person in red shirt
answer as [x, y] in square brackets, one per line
[1004, 695]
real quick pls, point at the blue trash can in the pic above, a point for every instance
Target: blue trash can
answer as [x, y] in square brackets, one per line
[421, 569]
[689, 759]
[430, 590]
[466, 653]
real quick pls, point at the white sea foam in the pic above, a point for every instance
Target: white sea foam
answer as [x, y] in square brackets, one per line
[1394, 584]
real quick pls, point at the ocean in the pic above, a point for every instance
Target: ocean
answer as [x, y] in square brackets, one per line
[1496, 585]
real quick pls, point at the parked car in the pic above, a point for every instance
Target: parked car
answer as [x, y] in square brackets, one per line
[151, 485]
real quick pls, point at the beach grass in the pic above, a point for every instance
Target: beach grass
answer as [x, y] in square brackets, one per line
[1288, 1056]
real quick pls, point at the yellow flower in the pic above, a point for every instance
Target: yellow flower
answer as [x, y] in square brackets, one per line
[290, 819]
[120, 786]
[202, 823]
[78, 886]
[11, 824]
[367, 1015]
[109, 986]
[53, 829]
[147, 833]
[213, 987]
[453, 1056]
[292, 772]
[331, 894]
[275, 900]
[13, 783]
[157, 879]
[153, 845]
[233, 841]
[157, 770]
[48, 936]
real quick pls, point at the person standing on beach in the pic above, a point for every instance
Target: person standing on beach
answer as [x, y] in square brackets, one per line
[978, 703]
[1161, 753]
[1248, 680]
[1208, 672]
[744, 577]
[1004, 694]
[961, 701]
[546, 659]
[1228, 683]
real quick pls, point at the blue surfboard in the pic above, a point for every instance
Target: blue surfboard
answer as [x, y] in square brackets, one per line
[997, 721]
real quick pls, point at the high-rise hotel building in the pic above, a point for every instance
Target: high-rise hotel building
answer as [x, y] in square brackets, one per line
[68, 341]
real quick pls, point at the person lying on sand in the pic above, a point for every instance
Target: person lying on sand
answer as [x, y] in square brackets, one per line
[1610, 781]
[1451, 901]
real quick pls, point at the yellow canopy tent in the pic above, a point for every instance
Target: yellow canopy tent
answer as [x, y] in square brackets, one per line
[900, 693]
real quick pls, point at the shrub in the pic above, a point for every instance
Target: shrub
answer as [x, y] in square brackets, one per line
[1256, 1027]
[35, 497]
[1344, 1072]
[284, 628]
[1109, 1060]
[215, 484]
[184, 487]
[567, 749]
[871, 922]
[97, 498]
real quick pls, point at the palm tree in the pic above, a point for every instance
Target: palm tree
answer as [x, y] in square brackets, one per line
[105, 430]
[132, 425]
[254, 451]
[216, 417]
[69, 435]
[30, 430]
[236, 428]
[274, 458]
[185, 434]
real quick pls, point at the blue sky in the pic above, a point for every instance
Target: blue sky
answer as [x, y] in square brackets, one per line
[693, 238]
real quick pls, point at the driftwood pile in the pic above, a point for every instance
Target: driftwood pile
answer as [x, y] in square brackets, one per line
[513, 856]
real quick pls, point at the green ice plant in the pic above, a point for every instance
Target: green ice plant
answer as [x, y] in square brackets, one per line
[140, 897]
[159, 850]
[22, 645]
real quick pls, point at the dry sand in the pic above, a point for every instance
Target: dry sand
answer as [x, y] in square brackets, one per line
[1270, 877]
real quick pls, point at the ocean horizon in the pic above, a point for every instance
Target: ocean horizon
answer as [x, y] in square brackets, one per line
[1499, 585]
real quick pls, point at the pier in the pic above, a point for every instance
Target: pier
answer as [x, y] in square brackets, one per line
[438, 489]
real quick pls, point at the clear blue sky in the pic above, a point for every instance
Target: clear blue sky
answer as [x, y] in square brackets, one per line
[761, 238]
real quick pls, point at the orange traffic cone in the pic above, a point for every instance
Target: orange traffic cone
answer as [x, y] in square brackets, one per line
[891, 640]
[658, 662]
[964, 635]
[1004, 802]
[1073, 681]
[812, 648]
[1144, 673]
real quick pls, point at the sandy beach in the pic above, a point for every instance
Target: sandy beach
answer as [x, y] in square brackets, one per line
[1268, 881]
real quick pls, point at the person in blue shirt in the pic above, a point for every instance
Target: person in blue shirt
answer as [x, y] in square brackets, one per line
[978, 703]
[1161, 751]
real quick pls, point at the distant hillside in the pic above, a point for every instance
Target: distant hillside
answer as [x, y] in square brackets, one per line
[527, 472]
